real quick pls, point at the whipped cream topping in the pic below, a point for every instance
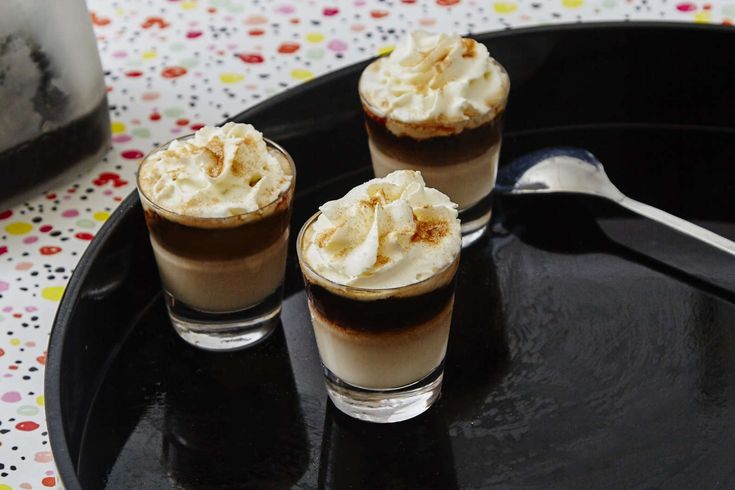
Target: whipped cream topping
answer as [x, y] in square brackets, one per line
[219, 172]
[435, 79]
[385, 233]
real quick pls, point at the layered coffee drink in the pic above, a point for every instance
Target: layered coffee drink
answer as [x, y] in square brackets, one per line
[436, 104]
[379, 267]
[218, 205]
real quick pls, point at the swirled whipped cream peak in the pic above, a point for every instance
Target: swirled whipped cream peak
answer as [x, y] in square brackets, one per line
[218, 172]
[385, 233]
[435, 79]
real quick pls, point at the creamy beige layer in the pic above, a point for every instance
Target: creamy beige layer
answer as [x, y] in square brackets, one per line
[222, 285]
[466, 183]
[383, 360]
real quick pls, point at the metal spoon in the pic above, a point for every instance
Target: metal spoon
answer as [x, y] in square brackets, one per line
[574, 170]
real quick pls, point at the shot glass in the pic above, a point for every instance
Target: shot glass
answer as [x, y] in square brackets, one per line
[222, 277]
[382, 350]
[460, 159]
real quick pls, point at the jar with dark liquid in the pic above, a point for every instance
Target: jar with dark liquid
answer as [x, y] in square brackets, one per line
[53, 104]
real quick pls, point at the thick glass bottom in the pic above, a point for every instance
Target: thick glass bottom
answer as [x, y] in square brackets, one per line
[385, 406]
[475, 219]
[225, 331]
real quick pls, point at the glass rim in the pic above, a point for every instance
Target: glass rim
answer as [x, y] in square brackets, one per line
[337, 285]
[158, 207]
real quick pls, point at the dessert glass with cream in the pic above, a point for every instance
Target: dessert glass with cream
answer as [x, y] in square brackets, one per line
[379, 267]
[218, 204]
[436, 104]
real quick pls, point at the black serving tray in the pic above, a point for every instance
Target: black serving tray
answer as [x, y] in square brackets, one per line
[589, 348]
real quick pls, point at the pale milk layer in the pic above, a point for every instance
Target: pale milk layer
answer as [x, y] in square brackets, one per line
[383, 360]
[223, 285]
[466, 183]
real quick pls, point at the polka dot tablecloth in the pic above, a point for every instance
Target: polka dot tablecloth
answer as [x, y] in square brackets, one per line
[171, 67]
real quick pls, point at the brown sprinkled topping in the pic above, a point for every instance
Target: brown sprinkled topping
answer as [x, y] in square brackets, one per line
[381, 260]
[469, 48]
[238, 168]
[440, 60]
[378, 198]
[436, 82]
[430, 231]
[215, 148]
[323, 238]
[239, 162]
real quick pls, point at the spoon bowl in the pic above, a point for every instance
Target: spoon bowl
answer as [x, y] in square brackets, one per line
[577, 171]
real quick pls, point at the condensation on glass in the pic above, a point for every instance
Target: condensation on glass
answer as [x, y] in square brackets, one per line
[54, 108]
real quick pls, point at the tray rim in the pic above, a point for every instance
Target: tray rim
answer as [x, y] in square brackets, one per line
[68, 304]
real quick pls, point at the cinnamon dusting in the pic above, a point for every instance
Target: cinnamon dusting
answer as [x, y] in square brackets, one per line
[238, 168]
[323, 238]
[468, 46]
[430, 231]
[441, 60]
[216, 150]
[381, 260]
[378, 198]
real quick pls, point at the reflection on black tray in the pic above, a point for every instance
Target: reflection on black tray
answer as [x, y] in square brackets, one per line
[218, 419]
[236, 418]
[413, 454]
[478, 347]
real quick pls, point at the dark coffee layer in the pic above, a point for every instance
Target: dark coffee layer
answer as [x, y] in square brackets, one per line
[49, 154]
[381, 315]
[440, 150]
[219, 243]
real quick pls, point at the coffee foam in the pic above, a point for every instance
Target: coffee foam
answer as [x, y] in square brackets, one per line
[216, 173]
[434, 85]
[386, 233]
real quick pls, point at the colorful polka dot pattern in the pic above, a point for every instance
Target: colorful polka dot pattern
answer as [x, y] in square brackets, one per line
[172, 67]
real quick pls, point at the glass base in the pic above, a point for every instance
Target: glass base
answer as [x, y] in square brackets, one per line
[475, 220]
[385, 406]
[225, 331]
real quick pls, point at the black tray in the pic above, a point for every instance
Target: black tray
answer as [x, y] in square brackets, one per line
[589, 348]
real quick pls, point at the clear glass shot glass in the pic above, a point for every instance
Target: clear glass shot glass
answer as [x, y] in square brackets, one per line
[222, 277]
[382, 349]
[462, 165]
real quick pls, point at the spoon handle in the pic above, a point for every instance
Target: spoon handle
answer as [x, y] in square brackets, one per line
[679, 225]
